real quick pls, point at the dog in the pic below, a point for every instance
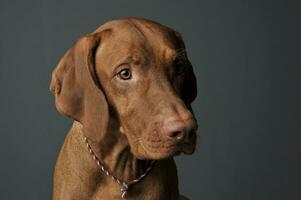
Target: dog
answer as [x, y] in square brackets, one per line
[128, 86]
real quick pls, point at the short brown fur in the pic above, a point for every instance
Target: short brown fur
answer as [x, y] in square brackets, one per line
[127, 122]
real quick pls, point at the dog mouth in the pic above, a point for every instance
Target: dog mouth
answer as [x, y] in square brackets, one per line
[188, 148]
[156, 148]
[172, 149]
[159, 152]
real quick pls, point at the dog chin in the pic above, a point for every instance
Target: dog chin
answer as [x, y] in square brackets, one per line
[155, 156]
[188, 150]
[146, 154]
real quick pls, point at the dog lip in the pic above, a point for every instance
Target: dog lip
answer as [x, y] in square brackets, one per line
[168, 152]
[186, 143]
[187, 147]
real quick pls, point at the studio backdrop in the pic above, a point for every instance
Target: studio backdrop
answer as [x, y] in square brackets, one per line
[246, 57]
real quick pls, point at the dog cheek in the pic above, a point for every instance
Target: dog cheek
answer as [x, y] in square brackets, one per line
[139, 152]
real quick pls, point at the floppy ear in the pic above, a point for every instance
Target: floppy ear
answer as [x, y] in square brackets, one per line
[190, 86]
[76, 87]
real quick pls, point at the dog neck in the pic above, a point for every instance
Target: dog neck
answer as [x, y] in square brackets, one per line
[114, 151]
[116, 158]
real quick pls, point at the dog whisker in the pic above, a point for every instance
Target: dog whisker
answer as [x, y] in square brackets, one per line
[180, 53]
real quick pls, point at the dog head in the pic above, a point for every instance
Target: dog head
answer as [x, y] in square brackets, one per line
[136, 74]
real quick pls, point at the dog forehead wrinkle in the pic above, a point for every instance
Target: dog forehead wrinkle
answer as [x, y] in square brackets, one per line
[164, 36]
[115, 52]
[137, 29]
[141, 42]
[146, 28]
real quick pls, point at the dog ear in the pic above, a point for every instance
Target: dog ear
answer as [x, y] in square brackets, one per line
[77, 90]
[190, 85]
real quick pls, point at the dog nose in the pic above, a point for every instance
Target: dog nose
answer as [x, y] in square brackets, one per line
[177, 135]
[179, 130]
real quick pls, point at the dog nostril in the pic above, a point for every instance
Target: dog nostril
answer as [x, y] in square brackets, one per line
[178, 135]
[189, 136]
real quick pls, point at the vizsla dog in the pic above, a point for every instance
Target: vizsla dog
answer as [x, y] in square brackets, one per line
[128, 87]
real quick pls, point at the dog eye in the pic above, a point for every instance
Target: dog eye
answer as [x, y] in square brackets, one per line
[125, 74]
[178, 67]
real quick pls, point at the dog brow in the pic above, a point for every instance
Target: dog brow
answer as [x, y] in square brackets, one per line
[180, 54]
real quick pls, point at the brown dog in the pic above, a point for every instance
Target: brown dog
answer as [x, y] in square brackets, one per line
[128, 87]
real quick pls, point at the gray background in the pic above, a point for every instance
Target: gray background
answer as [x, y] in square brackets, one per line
[246, 56]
